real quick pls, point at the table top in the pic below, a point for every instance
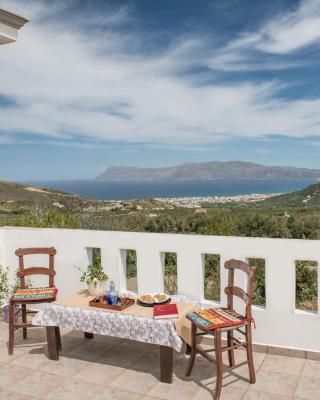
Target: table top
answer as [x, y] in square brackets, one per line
[81, 300]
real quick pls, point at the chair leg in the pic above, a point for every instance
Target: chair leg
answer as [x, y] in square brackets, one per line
[219, 365]
[231, 351]
[193, 349]
[24, 320]
[58, 338]
[250, 353]
[11, 328]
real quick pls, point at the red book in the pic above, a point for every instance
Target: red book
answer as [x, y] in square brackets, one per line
[162, 311]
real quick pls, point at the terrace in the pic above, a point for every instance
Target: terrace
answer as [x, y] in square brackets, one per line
[287, 347]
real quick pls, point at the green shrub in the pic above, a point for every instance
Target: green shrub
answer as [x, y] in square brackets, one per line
[131, 263]
[307, 285]
[42, 217]
[212, 277]
[259, 284]
[170, 273]
[4, 286]
[94, 271]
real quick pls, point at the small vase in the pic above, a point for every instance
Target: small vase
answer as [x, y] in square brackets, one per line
[97, 288]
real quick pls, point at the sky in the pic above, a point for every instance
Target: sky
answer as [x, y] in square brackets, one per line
[91, 84]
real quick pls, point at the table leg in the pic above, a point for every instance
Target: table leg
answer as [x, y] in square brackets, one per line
[166, 364]
[53, 353]
[58, 338]
[88, 335]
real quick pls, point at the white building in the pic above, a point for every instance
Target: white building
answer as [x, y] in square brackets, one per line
[10, 24]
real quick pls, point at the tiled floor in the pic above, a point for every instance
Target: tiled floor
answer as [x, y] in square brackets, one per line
[107, 369]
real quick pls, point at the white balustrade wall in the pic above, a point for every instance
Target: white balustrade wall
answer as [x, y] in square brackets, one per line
[279, 324]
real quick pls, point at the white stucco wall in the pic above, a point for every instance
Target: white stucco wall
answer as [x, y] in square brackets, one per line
[279, 324]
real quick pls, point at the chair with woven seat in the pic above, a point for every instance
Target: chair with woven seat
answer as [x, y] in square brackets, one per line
[25, 296]
[226, 320]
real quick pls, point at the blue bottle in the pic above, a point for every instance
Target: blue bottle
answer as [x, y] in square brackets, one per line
[112, 294]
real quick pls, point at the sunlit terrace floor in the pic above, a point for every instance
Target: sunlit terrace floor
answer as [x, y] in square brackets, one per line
[106, 369]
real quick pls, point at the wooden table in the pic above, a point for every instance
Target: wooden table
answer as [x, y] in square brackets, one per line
[166, 352]
[134, 323]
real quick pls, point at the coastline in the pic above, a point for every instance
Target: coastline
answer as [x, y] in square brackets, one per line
[197, 202]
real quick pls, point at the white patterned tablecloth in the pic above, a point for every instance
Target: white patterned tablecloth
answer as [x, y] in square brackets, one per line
[125, 326]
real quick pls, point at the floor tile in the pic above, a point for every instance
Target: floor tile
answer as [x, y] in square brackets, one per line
[10, 374]
[34, 358]
[101, 374]
[17, 352]
[147, 362]
[110, 393]
[254, 395]
[184, 389]
[227, 393]
[308, 388]
[65, 366]
[38, 384]
[312, 369]
[89, 351]
[135, 381]
[286, 365]
[74, 389]
[276, 383]
[116, 369]
[8, 395]
[121, 356]
[69, 343]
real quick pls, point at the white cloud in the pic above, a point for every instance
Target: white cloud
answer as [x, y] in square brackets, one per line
[73, 82]
[293, 31]
[271, 47]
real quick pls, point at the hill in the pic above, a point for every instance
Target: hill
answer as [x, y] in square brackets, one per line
[308, 197]
[15, 196]
[214, 170]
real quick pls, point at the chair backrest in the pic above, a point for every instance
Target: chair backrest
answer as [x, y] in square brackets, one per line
[231, 290]
[23, 272]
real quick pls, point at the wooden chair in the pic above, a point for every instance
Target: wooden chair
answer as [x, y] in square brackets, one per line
[22, 273]
[232, 343]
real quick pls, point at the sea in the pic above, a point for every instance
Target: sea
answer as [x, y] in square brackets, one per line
[104, 190]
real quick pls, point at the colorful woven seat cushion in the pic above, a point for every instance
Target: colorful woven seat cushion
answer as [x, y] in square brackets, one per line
[213, 318]
[44, 293]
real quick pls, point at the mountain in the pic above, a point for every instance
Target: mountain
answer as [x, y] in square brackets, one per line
[214, 170]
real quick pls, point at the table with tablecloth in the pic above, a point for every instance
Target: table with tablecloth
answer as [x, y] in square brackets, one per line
[133, 323]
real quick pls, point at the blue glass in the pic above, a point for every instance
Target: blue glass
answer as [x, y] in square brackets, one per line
[112, 295]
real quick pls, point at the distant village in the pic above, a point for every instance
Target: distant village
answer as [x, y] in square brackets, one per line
[197, 203]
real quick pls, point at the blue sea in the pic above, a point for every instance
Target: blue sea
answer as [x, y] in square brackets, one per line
[103, 190]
